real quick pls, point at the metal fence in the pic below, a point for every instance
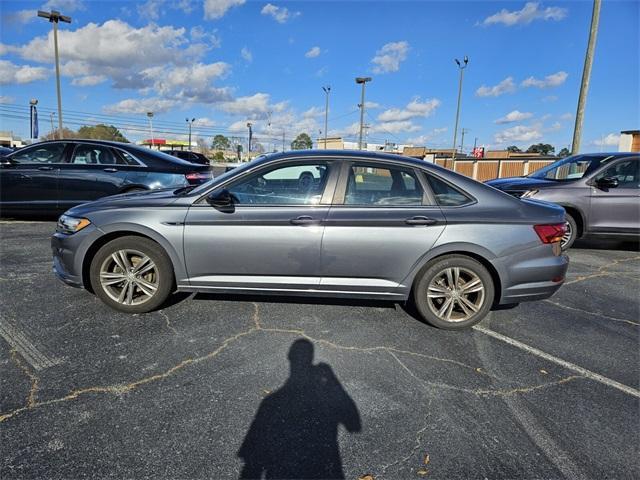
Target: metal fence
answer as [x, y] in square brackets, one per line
[487, 169]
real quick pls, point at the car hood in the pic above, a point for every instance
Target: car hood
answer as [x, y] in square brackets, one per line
[154, 198]
[520, 183]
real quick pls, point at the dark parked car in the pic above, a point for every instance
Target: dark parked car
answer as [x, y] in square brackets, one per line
[189, 156]
[324, 223]
[56, 175]
[6, 150]
[599, 191]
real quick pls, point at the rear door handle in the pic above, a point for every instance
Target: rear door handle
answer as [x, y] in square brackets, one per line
[45, 169]
[303, 220]
[420, 221]
[110, 170]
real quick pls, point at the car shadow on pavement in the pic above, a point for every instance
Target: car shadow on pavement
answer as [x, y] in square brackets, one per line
[606, 244]
[275, 298]
[295, 432]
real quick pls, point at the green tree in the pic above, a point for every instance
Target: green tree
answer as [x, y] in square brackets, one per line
[513, 149]
[542, 148]
[66, 133]
[101, 132]
[302, 141]
[218, 156]
[564, 152]
[220, 142]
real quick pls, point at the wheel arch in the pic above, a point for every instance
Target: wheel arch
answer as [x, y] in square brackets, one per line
[577, 215]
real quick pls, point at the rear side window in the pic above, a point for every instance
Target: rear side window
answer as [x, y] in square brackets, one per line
[94, 155]
[447, 195]
[381, 186]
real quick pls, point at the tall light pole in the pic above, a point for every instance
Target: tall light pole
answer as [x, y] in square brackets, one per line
[54, 17]
[463, 131]
[190, 122]
[249, 125]
[363, 81]
[461, 67]
[327, 90]
[586, 77]
[150, 117]
[53, 131]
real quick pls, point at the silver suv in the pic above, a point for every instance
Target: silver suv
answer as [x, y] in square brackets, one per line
[600, 193]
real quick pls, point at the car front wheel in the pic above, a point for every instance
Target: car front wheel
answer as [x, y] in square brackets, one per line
[132, 274]
[454, 292]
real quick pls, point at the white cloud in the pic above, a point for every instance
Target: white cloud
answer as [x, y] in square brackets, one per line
[427, 137]
[257, 105]
[88, 80]
[566, 116]
[528, 14]
[553, 80]
[371, 105]
[514, 116]
[612, 139]
[394, 127]
[313, 112]
[519, 133]
[215, 9]
[313, 52]
[389, 57]
[204, 122]
[151, 9]
[550, 98]
[279, 14]
[192, 83]
[246, 54]
[415, 108]
[6, 99]
[142, 105]
[505, 86]
[20, 74]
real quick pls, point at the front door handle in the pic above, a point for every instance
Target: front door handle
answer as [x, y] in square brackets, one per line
[45, 169]
[303, 220]
[110, 170]
[420, 221]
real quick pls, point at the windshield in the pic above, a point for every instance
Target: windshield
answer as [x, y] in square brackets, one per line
[570, 168]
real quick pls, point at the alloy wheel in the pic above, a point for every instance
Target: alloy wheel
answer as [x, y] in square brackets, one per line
[455, 294]
[567, 234]
[129, 277]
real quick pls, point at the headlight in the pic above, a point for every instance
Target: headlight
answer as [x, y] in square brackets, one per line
[529, 193]
[69, 225]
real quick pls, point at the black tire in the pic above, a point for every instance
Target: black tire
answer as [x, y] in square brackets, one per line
[573, 228]
[162, 275]
[468, 268]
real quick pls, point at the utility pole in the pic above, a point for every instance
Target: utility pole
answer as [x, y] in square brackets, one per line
[249, 124]
[463, 131]
[190, 123]
[461, 67]
[54, 17]
[150, 117]
[326, 89]
[53, 132]
[363, 81]
[283, 145]
[586, 77]
[475, 143]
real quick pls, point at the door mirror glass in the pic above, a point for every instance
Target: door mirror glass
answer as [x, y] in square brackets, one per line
[220, 198]
[607, 182]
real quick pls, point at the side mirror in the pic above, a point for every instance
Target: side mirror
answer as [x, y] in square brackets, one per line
[220, 199]
[607, 182]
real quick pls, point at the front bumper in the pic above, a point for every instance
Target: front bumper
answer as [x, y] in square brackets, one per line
[68, 252]
[536, 276]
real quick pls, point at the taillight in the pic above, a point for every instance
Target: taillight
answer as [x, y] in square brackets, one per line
[551, 233]
[197, 177]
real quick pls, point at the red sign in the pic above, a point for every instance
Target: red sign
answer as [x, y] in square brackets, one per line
[478, 152]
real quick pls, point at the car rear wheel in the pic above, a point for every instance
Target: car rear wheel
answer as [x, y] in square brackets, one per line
[454, 292]
[132, 274]
[571, 234]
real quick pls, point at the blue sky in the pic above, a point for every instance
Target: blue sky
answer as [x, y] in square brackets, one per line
[226, 62]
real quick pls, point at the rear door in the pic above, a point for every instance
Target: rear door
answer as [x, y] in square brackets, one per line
[30, 180]
[94, 171]
[617, 209]
[383, 220]
[271, 236]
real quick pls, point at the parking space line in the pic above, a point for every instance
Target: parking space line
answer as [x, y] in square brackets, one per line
[36, 358]
[558, 361]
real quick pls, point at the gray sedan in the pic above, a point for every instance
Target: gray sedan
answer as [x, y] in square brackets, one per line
[320, 223]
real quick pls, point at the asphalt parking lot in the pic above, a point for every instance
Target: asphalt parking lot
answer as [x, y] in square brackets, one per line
[222, 387]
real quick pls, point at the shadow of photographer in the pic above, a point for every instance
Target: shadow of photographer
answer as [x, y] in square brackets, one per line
[295, 431]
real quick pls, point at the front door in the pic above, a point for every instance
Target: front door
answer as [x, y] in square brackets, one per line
[617, 209]
[30, 180]
[381, 226]
[269, 238]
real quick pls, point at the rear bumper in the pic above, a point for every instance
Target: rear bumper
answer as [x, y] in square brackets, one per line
[531, 275]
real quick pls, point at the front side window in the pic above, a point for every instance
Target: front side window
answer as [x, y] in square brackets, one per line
[626, 172]
[382, 186]
[299, 184]
[571, 168]
[447, 195]
[49, 153]
[94, 155]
